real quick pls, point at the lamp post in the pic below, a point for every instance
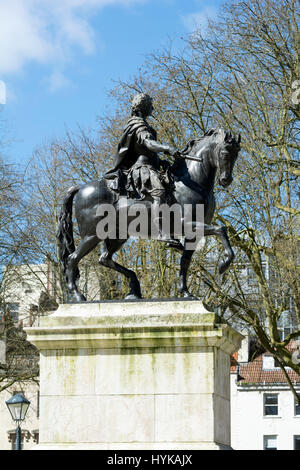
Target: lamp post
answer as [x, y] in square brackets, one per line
[18, 406]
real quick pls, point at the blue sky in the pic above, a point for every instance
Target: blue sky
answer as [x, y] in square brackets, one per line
[59, 58]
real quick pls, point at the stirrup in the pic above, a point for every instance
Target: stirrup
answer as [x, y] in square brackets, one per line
[171, 242]
[176, 244]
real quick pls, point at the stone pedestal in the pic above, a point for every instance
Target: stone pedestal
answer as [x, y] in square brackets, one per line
[134, 375]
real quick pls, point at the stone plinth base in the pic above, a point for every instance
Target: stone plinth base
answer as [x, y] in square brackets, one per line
[134, 375]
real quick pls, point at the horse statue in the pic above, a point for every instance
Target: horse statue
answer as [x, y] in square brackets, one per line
[194, 175]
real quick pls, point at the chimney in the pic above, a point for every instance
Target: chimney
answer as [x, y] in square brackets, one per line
[243, 353]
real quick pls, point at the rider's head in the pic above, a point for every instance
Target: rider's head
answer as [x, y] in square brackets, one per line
[142, 105]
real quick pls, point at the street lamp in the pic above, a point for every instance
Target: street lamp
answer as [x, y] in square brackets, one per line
[18, 406]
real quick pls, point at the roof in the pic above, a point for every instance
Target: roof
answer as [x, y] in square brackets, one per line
[254, 373]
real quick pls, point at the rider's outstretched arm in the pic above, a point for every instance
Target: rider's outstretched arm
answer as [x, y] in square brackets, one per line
[155, 146]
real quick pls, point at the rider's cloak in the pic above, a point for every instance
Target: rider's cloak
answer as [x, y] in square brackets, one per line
[125, 156]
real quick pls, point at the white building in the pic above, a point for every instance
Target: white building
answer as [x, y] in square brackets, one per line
[264, 412]
[23, 288]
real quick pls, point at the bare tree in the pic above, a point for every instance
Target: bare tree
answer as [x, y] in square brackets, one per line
[239, 74]
[19, 361]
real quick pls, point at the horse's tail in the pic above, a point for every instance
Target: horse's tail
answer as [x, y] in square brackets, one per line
[64, 232]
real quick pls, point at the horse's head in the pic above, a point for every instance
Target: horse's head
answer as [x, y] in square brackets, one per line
[217, 150]
[226, 152]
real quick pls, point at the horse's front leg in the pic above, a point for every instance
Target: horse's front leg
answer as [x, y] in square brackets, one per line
[221, 233]
[185, 262]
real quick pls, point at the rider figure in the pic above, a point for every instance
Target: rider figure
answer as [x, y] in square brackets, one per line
[147, 177]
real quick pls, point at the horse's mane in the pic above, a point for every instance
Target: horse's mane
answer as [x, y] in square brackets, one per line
[227, 138]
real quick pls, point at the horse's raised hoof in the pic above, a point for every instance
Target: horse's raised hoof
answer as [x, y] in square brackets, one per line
[176, 245]
[132, 297]
[224, 265]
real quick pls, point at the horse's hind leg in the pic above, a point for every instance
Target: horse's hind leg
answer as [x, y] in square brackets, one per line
[110, 248]
[87, 244]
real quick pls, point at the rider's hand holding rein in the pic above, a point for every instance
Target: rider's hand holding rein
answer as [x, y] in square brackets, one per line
[173, 152]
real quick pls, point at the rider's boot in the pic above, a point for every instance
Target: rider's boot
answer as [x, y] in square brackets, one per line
[165, 236]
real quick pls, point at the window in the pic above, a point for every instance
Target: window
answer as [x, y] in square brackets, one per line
[285, 326]
[296, 442]
[270, 442]
[13, 309]
[277, 364]
[268, 362]
[297, 407]
[26, 287]
[251, 278]
[270, 404]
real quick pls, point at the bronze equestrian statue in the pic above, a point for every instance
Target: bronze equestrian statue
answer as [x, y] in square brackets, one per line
[137, 161]
[141, 178]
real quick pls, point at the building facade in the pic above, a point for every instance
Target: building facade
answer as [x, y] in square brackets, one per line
[27, 293]
[264, 412]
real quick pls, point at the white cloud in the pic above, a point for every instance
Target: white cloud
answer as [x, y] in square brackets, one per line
[200, 18]
[46, 31]
[58, 81]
